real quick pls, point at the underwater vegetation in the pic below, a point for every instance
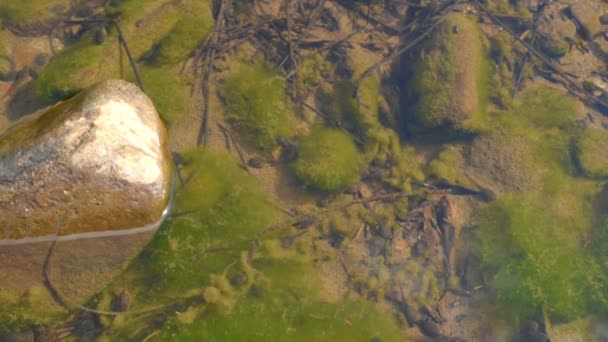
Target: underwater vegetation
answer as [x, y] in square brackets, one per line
[328, 160]
[200, 260]
[159, 35]
[256, 104]
[532, 240]
[592, 152]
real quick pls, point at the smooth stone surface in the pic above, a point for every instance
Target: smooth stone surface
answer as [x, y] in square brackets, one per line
[91, 175]
[98, 161]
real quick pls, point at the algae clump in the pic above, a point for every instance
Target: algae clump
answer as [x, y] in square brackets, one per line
[256, 103]
[167, 89]
[75, 68]
[14, 12]
[225, 207]
[328, 160]
[186, 35]
[592, 152]
[531, 240]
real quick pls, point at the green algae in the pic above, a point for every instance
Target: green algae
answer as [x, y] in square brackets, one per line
[447, 167]
[283, 305]
[169, 91]
[328, 160]
[531, 239]
[226, 209]
[536, 259]
[256, 104]
[283, 319]
[14, 12]
[195, 256]
[193, 28]
[146, 22]
[37, 307]
[75, 68]
[591, 152]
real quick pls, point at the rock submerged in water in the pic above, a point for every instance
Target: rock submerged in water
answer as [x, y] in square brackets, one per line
[93, 173]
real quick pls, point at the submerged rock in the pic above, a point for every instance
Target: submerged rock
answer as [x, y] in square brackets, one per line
[92, 173]
[448, 80]
[587, 15]
[556, 32]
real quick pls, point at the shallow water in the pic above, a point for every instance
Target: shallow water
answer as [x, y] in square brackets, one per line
[491, 227]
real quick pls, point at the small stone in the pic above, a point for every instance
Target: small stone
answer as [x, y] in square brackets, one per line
[587, 17]
[604, 19]
[255, 163]
[555, 35]
[92, 173]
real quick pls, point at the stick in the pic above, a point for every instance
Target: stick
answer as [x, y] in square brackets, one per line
[203, 132]
[122, 39]
[586, 95]
[60, 298]
[290, 222]
[236, 146]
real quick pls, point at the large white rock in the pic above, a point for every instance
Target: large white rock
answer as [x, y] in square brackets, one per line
[92, 173]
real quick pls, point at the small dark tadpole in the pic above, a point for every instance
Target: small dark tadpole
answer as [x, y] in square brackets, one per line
[33, 74]
[178, 159]
[238, 279]
[255, 163]
[305, 223]
[100, 35]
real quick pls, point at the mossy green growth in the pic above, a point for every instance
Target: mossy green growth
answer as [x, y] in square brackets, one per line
[77, 67]
[548, 108]
[528, 146]
[169, 91]
[448, 81]
[279, 314]
[193, 28]
[14, 12]
[328, 160]
[447, 167]
[506, 7]
[531, 239]
[226, 208]
[36, 307]
[256, 103]
[592, 152]
[535, 257]
[145, 22]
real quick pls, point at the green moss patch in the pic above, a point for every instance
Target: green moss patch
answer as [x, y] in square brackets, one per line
[536, 259]
[328, 160]
[531, 240]
[13, 12]
[277, 317]
[256, 104]
[226, 208]
[75, 68]
[169, 92]
[36, 307]
[592, 152]
[193, 28]
[449, 81]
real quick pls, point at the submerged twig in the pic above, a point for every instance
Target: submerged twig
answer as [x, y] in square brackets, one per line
[585, 95]
[236, 146]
